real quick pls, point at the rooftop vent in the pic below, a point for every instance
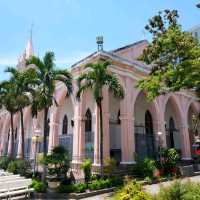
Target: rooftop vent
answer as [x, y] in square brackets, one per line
[99, 41]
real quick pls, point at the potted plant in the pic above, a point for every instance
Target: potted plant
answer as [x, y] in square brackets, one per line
[170, 159]
[58, 165]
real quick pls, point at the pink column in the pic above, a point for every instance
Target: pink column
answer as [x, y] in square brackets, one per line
[79, 132]
[96, 136]
[19, 150]
[185, 142]
[26, 120]
[161, 120]
[15, 122]
[4, 135]
[127, 123]
[77, 122]
[106, 129]
[54, 128]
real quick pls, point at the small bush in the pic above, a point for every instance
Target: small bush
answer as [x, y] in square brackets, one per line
[66, 188]
[87, 167]
[178, 190]
[80, 188]
[58, 162]
[132, 191]
[21, 167]
[39, 186]
[145, 168]
[4, 162]
[170, 157]
[110, 166]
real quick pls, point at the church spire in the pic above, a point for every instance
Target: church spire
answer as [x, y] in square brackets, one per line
[29, 46]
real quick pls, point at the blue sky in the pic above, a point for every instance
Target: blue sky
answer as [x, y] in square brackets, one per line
[69, 27]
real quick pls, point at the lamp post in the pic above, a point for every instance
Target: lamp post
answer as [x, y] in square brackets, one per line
[198, 5]
[159, 145]
[35, 139]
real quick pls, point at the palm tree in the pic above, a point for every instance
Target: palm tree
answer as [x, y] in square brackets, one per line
[96, 78]
[7, 101]
[22, 82]
[43, 99]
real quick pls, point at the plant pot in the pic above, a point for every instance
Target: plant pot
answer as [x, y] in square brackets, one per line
[197, 167]
[53, 184]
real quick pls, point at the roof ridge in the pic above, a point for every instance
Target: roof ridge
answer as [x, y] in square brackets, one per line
[129, 45]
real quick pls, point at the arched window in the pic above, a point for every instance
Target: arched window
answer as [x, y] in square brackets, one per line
[65, 125]
[148, 123]
[171, 131]
[16, 133]
[88, 121]
[149, 137]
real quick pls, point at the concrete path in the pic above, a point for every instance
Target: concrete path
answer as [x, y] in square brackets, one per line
[154, 188]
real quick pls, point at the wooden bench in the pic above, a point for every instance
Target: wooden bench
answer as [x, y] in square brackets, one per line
[16, 189]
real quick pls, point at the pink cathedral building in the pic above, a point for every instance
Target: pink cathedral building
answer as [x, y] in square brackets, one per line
[131, 126]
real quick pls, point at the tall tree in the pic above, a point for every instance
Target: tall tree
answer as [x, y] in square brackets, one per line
[43, 95]
[174, 56]
[7, 101]
[96, 78]
[23, 82]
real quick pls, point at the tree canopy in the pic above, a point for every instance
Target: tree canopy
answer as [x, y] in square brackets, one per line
[174, 56]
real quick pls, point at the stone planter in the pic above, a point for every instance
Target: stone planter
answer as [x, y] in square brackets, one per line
[53, 182]
[197, 166]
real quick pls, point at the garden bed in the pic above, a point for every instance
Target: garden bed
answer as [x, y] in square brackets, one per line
[90, 193]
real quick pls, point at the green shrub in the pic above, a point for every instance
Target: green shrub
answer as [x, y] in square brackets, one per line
[145, 168]
[116, 181]
[58, 162]
[39, 186]
[4, 162]
[79, 188]
[66, 188]
[86, 166]
[171, 158]
[132, 191]
[21, 167]
[179, 191]
[110, 166]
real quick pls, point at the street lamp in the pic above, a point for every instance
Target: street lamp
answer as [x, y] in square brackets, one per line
[198, 5]
[35, 139]
[159, 145]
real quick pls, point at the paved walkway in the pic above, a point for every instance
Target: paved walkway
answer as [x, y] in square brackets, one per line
[154, 188]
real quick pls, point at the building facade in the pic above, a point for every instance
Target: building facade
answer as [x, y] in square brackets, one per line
[131, 126]
[196, 32]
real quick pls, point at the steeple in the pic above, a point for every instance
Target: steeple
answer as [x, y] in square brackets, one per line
[28, 52]
[29, 46]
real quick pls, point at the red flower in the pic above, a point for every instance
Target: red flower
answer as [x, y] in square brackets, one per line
[197, 152]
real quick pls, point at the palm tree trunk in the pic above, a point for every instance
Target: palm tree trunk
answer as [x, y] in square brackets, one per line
[12, 135]
[45, 143]
[101, 135]
[22, 131]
